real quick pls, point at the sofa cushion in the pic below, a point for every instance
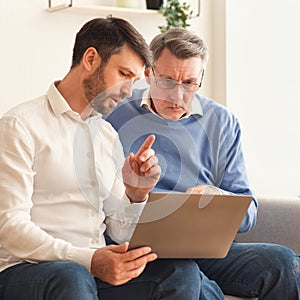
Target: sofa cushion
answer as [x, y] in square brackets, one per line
[278, 222]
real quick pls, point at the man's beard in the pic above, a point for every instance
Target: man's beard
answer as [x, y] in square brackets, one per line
[94, 89]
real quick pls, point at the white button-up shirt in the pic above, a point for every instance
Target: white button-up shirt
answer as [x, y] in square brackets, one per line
[60, 184]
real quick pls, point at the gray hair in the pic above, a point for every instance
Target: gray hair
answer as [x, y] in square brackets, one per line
[181, 42]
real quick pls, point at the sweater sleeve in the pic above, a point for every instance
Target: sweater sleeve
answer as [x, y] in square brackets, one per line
[232, 170]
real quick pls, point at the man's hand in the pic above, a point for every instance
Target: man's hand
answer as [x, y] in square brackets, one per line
[116, 265]
[141, 171]
[204, 189]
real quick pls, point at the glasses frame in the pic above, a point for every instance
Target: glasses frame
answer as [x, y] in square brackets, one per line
[156, 79]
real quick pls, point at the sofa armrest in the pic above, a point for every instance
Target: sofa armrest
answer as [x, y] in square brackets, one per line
[278, 221]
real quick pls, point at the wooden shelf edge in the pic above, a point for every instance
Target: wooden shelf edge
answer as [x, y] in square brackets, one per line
[95, 9]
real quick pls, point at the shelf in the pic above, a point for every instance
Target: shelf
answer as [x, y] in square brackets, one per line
[97, 9]
[94, 9]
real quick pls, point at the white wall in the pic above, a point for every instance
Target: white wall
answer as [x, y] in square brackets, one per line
[35, 49]
[263, 68]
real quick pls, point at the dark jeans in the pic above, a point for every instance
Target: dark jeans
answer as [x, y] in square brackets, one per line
[265, 271]
[162, 279]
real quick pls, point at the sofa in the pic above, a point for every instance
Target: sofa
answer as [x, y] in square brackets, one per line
[278, 221]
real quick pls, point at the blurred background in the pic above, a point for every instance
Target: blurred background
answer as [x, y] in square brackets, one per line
[253, 68]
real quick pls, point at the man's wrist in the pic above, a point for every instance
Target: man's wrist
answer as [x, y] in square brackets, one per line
[136, 198]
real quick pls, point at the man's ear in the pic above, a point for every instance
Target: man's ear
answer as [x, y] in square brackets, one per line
[91, 59]
[147, 73]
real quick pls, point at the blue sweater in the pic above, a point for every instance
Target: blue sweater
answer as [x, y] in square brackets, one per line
[200, 149]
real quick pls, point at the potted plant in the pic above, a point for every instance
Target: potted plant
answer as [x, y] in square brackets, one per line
[176, 14]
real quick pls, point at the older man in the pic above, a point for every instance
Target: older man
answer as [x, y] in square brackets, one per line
[198, 143]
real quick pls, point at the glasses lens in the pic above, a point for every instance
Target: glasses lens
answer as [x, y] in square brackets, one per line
[190, 87]
[169, 84]
[165, 83]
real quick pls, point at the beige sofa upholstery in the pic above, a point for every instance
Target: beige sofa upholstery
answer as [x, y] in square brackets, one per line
[278, 221]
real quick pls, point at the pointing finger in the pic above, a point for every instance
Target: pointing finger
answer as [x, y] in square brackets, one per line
[146, 145]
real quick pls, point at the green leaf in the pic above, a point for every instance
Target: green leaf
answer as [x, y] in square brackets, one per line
[176, 14]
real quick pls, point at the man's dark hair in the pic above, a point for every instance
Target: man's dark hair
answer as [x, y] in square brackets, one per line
[107, 36]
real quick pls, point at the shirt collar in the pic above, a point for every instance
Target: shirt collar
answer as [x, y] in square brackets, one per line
[59, 104]
[196, 105]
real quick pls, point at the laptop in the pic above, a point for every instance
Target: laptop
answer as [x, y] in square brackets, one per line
[182, 225]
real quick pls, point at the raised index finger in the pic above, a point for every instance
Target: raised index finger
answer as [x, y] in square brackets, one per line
[147, 144]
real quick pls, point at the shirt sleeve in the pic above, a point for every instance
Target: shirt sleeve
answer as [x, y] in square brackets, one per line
[20, 236]
[121, 215]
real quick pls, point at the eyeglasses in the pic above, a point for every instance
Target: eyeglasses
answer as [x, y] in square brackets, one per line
[168, 84]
